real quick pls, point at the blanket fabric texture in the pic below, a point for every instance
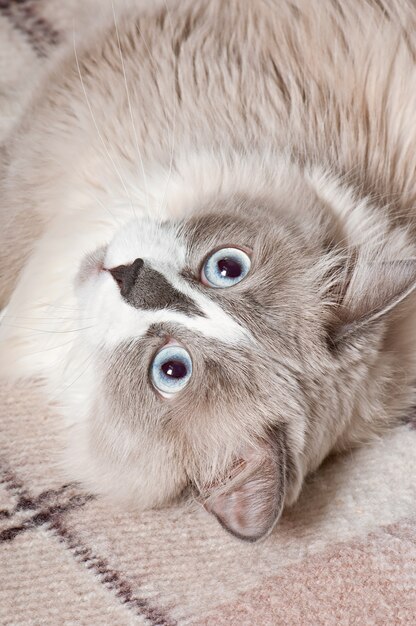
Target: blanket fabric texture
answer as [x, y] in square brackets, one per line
[344, 554]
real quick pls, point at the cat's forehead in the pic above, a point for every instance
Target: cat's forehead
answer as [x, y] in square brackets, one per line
[208, 229]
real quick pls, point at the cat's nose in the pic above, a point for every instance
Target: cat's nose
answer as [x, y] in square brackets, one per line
[126, 275]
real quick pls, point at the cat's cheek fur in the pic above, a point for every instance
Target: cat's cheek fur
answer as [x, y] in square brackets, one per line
[108, 461]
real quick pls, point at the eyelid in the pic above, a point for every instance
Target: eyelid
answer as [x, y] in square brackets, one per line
[169, 342]
[172, 342]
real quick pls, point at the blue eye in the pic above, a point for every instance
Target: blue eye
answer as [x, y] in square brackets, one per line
[226, 267]
[171, 370]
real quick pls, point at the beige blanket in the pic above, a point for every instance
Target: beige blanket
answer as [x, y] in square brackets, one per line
[345, 554]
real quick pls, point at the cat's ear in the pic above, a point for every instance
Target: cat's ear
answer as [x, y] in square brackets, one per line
[249, 502]
[371, 290]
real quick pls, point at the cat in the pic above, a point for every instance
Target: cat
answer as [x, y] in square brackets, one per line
[208, 246]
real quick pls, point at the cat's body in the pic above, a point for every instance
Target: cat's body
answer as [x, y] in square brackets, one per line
[297, 119]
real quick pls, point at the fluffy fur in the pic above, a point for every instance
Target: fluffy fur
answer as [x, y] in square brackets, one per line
[278, 126]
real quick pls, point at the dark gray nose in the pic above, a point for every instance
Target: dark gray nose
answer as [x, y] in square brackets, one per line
[126, 275]
[145, 288]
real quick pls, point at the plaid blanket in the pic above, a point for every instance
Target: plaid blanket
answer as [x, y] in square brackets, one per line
[344, 554]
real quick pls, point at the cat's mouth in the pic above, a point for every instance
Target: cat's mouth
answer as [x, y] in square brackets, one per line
[91, 265]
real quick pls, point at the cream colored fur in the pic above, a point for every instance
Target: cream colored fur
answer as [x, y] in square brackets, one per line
[174, 105]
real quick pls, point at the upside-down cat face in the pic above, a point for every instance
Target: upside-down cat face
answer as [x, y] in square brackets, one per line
[231, 350]
[214, 363]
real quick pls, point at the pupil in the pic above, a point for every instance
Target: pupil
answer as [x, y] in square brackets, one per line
[174, 369]
[229, 268]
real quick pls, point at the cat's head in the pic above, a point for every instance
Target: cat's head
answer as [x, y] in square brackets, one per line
[229, 349]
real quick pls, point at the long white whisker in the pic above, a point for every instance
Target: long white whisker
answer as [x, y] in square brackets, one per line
[41, 319]
[155, 69]
[130, 108]
[86, 362]
[56, 306]
[96, 125]
[173, 126]
[44, 330]
[101, 203]
[61, 345]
